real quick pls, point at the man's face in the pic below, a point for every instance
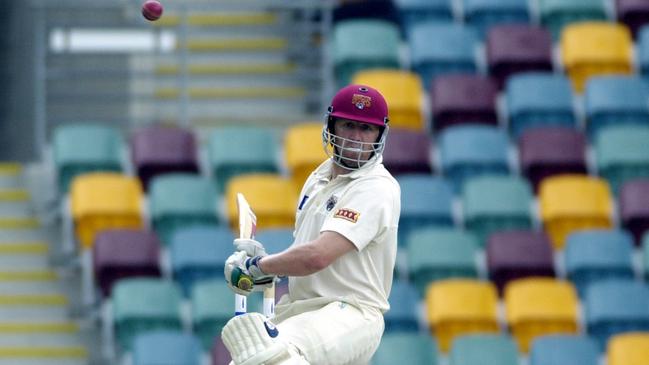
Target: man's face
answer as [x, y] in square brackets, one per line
[358, 139]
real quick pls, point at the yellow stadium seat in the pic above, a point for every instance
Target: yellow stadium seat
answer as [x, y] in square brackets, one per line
[303, 150]
[631, 348]
[272, 197]
[538, 306]
[402, 90]
[595, 48]
[573, 202]
[460, 306]
[100, 201]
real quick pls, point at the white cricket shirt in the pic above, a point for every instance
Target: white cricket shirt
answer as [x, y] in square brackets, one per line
[363, 206]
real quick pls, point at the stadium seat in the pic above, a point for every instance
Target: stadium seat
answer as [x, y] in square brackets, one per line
[513, 255]
[212, 304]
[166, 347]
[275, 240]
[633, 205]
[557, 14]
[457, 307]
[124, 253]
[439, 48]
[101, 201]
[550, 151]
[642, 47]
[630, 348]
[407, 152]
[622, 154]
[425, 201]
[615, 100]
[181, 200]
[596, 255]
[633, 13]
[361, 44]
[83, 148]
[219, 354]
[540, 306]
[535, 99]
[517, 48]
[615, 306]
[144, 304]
[377, 9]
[482, 349]
[484, 14]
[159, 149]
[272, 197]
[507, 206]
[404, 308]
[472, 150]
[564, 350]
[595, 48]
[240, 150]
[403, 92]
[303, 150]
[412, 12]
[463, 99]
[571, 202]
[199, 253]
[440, 253]
[395, 348]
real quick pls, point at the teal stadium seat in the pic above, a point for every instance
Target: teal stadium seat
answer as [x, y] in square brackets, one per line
[556, 14]
[642, 47]
[538, 99]
[564, 350]
[614, 101]
[199, 253]
[181, 200]
[406, 347]
[212, 304]
[166, 347]
[413, 12]
[496, 203]
[275, 240]
[645, 256]
[596, 255]
[440, 253]
[622, 154]
[363, 44]
[482, 349]
[425, 201]
[467, 151]
[483, 14]
[402, 316]
[85, 147]
[438, 48]
[144, 304]
[240, 150]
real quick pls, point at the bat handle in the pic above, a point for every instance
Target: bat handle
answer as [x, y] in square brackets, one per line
[269, 302]
[240, 305]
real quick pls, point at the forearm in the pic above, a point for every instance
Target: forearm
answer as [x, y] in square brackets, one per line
[298, 260]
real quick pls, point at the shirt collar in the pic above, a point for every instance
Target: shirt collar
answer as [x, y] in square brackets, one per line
[323, 172]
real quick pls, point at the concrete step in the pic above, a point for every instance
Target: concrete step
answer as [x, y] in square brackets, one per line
[206, 93]
[49, 307]
[218, 19]
[11, 223]
[213, 69]
[43, 355]
[232, 44]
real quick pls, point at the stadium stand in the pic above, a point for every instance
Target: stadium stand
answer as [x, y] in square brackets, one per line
[402, 316]
[484, 14]
[408, 152]
[303, 150]
[211, 303]
[412, 12]
[564, 349]
[483, 349]
[632, 203]
[628, 349]
[633, 13]
[166, 347]
[622, 154]
[419, 349]
[556, 15]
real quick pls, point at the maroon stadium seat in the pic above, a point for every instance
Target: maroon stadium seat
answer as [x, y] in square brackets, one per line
[121, 253]
[634, 207]
[162, 149]
[550, 151]
[219, 353]
[407, 151]
[517, 254]
[458, 99]
[517, 48]
[633, 13]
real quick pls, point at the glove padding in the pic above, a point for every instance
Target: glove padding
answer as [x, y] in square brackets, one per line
[253, 248]
[243, 275]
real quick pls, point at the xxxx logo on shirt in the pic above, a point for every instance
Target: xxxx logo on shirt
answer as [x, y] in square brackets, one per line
[347, 214]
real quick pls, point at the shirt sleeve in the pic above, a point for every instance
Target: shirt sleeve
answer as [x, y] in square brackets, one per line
[363, 212]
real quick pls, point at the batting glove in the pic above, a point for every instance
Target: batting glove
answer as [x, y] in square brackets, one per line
[243, 275]
[253, 248]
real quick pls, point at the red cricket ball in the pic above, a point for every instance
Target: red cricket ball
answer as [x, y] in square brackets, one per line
[152, 10]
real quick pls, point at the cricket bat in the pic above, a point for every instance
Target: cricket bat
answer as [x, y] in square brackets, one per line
[247, 229]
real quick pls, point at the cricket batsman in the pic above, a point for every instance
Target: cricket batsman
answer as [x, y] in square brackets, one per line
[341, 262]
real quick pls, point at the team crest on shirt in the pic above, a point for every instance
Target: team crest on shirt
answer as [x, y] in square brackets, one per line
[331, 203]
[347, 214]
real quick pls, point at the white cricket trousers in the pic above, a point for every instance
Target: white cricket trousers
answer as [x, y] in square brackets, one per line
[330, 332]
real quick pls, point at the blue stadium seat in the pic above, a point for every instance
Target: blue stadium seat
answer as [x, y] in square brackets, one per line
[595, 255]
[472, 150]
[410, 347]
[482, 349]
[564, 350]
[615, 100]
[199, 253]
[645, 256]
[413, 12]
[556, 14]
[425, 201]
[483, 14]
[402, 316]
[212, 304]
[643, 51]
[622, 154]
[538, 99]
[438, 48]
[275, 239]
[615, 306]
[166, 347]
